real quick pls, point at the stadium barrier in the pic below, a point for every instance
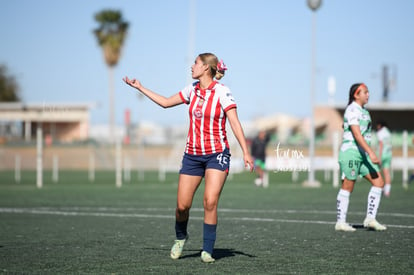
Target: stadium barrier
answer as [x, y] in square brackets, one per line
[127, 158]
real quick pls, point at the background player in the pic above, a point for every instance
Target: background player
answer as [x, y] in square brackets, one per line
[258, 151]
[385, 154]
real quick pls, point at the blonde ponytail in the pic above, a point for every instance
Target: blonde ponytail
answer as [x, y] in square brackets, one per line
[217, 68]
[219, 75]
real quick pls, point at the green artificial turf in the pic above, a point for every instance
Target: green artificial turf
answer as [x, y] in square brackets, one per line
[78, 227]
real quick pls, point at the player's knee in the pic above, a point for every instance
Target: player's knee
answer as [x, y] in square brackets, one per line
[210, 204]
[348, 185]
[182, 210]
[376, 180]
[379, 182]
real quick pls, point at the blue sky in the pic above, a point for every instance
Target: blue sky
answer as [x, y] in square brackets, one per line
[50, 48]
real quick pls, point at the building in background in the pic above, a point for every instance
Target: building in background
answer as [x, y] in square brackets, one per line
[60, 122]
[68, 123]
[397, 115]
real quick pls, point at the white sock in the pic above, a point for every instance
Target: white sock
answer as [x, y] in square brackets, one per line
[374, 198]
[387, 188]
[342, 203]
[265, 179]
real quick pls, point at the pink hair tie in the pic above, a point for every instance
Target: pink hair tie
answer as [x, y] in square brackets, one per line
[221, 66]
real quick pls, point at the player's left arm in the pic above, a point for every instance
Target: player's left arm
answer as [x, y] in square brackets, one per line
[239, 134]
[356, 132]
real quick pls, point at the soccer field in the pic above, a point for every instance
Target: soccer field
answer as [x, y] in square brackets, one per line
[78, 227]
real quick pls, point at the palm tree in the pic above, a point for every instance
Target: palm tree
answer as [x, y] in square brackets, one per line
[111, 35]
[9, 90]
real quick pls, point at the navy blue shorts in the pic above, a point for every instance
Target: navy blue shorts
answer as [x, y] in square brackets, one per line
[196, 165]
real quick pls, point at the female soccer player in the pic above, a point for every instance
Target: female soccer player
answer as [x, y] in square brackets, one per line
[258, 151]
[356, 158]
[385, 154]
[207, 152]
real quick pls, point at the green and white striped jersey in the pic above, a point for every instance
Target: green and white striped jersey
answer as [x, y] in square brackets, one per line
[355, 115]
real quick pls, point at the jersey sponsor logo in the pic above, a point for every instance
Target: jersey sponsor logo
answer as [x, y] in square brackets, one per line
[365, 117]
[215, 141]
[230, 96]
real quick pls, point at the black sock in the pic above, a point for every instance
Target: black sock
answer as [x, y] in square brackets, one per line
[181, 230]
[209, 237]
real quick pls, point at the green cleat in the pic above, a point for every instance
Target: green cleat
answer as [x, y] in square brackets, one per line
[177, 248]
[206, 257]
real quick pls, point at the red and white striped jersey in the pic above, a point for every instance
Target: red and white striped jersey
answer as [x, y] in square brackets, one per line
[207, 110]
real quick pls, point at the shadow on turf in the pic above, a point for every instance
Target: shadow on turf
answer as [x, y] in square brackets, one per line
[220, 253]
[361, 226]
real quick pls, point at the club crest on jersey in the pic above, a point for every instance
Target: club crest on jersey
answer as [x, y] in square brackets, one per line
[198, 113]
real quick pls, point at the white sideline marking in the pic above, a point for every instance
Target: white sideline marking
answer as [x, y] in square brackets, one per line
[49, 211]
[227, 210]
[73, 213]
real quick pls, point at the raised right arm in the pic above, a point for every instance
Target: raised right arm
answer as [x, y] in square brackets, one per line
[165, 102]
